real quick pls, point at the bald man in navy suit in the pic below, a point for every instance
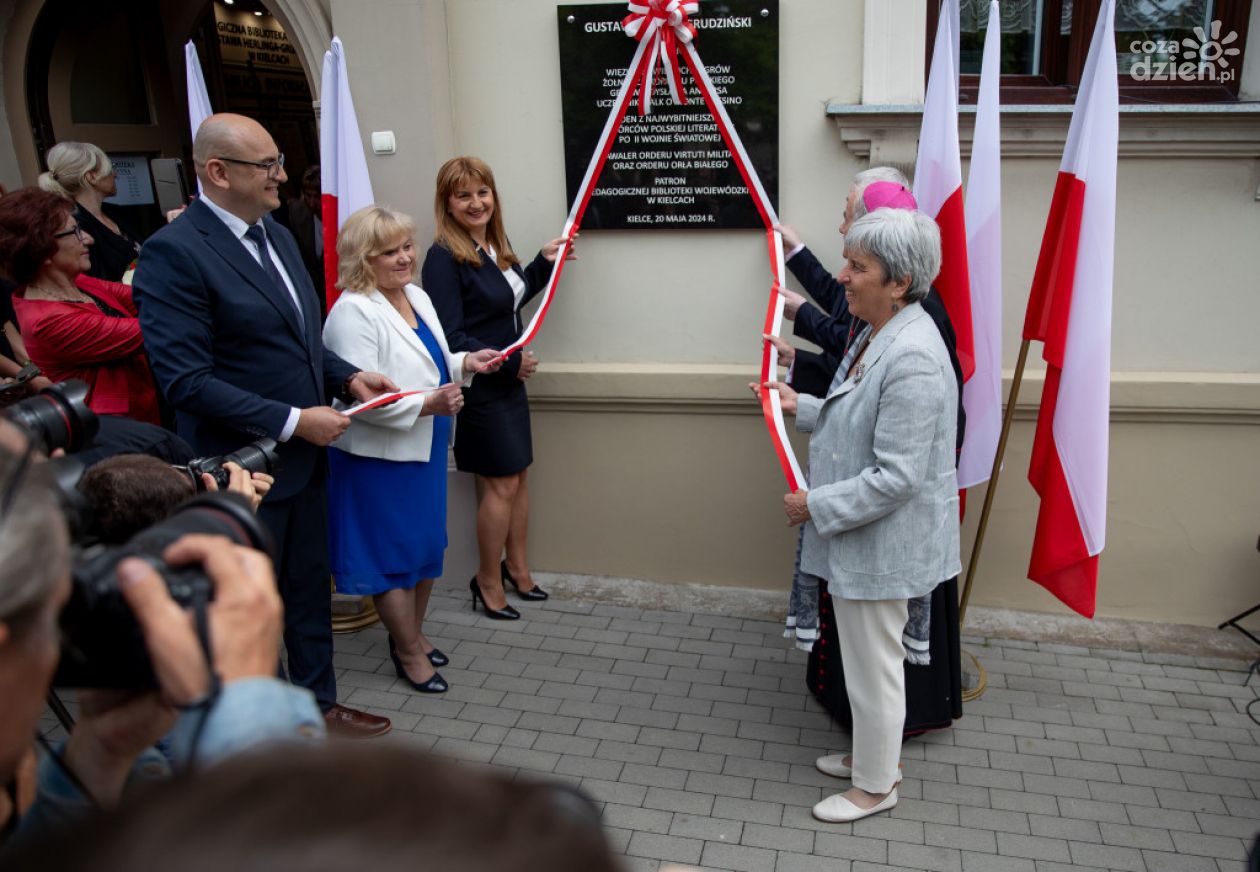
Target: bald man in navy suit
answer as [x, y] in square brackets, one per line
[231, 323]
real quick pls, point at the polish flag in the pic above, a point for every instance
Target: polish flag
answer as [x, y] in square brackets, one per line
[198, 100]
[1069, 310]
[938, 188]
[982, 394]
[344, 179]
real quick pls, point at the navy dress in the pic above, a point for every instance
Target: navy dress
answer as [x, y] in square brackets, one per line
[479, 310]
[388, 518]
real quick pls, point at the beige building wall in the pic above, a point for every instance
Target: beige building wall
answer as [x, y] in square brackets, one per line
[651, 459]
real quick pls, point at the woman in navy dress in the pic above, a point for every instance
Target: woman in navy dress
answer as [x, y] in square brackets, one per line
[387, 472]
[478, 287]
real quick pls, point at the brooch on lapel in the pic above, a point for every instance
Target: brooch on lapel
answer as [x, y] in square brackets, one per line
[859, 372]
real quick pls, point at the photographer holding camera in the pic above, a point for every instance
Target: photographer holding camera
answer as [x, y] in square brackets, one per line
[213, 667]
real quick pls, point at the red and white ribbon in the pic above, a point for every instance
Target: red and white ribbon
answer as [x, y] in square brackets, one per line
[664, 26]
[663, 32]
[382, 400]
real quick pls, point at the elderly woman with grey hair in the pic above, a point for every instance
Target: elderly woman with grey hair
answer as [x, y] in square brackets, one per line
[881, 510]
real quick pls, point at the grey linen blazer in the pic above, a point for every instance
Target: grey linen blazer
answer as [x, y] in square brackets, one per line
[883, 491]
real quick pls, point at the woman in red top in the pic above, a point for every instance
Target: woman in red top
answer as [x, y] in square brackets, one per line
[73, 326]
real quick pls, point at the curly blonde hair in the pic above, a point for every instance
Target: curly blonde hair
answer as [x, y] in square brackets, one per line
[367, 233]
[450, 234]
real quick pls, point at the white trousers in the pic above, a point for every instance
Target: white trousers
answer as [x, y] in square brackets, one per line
[874, 674]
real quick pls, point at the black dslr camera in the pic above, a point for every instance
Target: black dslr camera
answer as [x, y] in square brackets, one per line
[102, 645]
[56, 417]
[257, 456]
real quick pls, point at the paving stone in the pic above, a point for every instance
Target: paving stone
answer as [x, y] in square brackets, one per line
[525, 758]
[930, 858]
[691, 760]
[1219, 825]
[721, 785]
[1160, 862]
[1011, 800]
[973, 862]
[750, 810]
[589, 767]
[1107, 856]
[707, 828]
[661, 847]
[666, 738]
[1190, 801]
[615, 792]
[1131, 836]
[596, 729]
[1033, 847]
[1202, 844]
[653, 776]
[1064, 828]
[962, 838]
[792, 862]
[662, 720]
[738, 858]
[873, 850]
[627, 753]
[1167, 819]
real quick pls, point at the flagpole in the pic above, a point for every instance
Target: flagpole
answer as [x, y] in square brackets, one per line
[991, 490]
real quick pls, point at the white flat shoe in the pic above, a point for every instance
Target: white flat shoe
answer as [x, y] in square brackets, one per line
[838, 810]
[834, 765]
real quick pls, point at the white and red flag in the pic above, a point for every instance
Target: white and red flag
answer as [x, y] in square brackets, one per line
[1070, 311]
[982, 394]
[938, 188]
[198, 100]
[344, 180]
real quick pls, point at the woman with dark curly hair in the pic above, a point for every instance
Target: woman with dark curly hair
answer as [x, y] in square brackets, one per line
[73, 326]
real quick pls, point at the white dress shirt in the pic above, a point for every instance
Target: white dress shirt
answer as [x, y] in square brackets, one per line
[238, 228]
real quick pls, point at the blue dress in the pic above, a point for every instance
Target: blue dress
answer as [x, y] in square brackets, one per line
[387, 518]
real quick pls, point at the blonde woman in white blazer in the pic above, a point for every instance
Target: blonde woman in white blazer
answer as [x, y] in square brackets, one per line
[387, 472]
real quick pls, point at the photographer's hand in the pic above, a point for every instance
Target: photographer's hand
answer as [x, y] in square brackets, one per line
[253, 487]
[114, 728]
[245, 616]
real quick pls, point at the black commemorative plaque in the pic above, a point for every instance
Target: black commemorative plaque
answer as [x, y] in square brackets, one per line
[672, 168]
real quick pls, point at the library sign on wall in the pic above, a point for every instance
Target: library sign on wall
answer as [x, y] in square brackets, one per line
[671, 168]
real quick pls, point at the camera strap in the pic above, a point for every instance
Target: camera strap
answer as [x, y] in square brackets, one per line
[205, 703]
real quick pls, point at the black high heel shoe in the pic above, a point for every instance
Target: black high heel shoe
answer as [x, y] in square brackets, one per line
[507, 613]
[534, 593]
[436, 657]
[436, 684]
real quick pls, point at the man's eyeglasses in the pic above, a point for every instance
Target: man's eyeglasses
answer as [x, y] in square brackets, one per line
[270, 167]
[76, 231]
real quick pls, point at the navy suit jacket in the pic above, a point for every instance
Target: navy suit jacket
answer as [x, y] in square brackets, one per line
[227, 347]
[477, 310]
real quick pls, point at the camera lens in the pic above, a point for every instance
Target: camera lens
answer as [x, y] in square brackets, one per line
[258, 456]
[57, 417]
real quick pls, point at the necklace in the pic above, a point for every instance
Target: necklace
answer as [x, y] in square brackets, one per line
[58, 295]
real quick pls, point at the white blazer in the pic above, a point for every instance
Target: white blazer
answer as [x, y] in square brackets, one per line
[367, 332]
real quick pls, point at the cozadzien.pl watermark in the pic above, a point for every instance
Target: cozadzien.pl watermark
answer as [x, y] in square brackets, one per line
[1205, 59]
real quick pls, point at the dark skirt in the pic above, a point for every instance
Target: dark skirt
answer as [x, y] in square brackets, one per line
[933, 692]
[492, 436]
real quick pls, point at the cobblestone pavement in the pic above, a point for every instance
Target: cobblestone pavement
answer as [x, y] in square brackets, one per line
[697, 737]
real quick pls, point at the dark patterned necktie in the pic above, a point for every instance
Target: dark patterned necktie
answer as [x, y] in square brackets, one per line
[258, 236]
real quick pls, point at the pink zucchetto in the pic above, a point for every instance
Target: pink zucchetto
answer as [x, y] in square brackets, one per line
[887, 195]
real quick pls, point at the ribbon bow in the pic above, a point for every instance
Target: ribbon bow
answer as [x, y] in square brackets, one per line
[664, 24]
